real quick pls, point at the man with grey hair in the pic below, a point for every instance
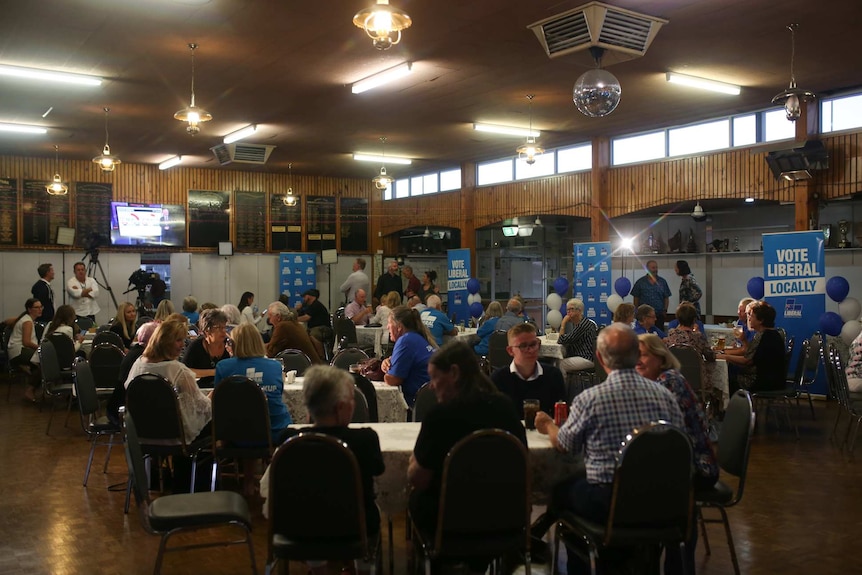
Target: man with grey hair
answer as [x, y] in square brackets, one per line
[578, 337]
[512, 317]
[599, 420]
[288, 334]
[435, 320]
[328, 395]
[358, 280]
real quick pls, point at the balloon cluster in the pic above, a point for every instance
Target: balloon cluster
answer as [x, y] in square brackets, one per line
[556, 306]
[846, 322]
[474, 299]
[622, 286]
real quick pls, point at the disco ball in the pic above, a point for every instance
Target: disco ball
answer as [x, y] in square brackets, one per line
[596, 93]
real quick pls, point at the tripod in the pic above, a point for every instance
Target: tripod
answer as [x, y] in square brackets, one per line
[94, 264]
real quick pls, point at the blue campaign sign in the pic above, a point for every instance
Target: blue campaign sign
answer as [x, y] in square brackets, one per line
[457, 276]
[794, 274]
[297, 273]
[593, 279]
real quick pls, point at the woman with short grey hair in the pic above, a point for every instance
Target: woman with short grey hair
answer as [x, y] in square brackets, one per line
[202, 354]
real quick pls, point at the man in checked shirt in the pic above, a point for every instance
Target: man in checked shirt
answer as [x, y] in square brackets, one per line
[599, 420]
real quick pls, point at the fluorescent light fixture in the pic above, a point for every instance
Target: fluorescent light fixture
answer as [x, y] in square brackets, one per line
[240, 134]
[507, 130]
[49, 76]
[749, 200]
[703, 84]
[382, 78]
[510, 231]
[382, 159]
[167, 164]
[22, 129]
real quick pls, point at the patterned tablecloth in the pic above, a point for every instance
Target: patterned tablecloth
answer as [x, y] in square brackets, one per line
[368, 337]
[551, 348]
[717, 374]
[391, 406]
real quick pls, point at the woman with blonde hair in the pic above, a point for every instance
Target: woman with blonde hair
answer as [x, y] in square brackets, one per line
[625, 313]
[389, 302]
[163, 310]
[492, 315]
[123, 323]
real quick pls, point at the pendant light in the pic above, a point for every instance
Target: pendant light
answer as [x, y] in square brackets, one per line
[193, 115]
[383, 180]
[106, 161]
[530, 149]
[383, 24]
[289, 199]
[57, 187]
[793, 97]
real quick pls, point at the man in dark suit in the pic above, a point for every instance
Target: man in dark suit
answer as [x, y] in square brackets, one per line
[43, 291]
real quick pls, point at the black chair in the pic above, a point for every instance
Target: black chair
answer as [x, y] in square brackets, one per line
[294, 359]
[95, 427]
[105, 360]
[651, 502]
[108, 336]
[172, 514]
[367, 388]
[360, 409]
[316, 477]
[810, 370]
[345, 332]
[65, 350]
[848, 401]
[347, 357]
[141, 320]
[484, 508]
[152, 401]
[240, 423]
[425, 400]
[497, 355]
[56, 383]
[691, 368]
[734, 443]
[84, 322]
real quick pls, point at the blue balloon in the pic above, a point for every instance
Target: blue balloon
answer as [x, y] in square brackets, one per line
[755, 287]
[561, 286]
[473, 285]
[476, 309]
[837, 289]
[831, 323]
[623, 286]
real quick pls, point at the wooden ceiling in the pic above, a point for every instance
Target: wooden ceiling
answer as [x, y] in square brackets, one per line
[288, 65]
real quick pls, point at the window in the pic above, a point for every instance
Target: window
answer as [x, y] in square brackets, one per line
[494, 172]
[777, 127]
[575, 159]
[699, 138]
[402, 188]
[430, 184]
[841, 113]
[544, 166]
[745, 130]
[450, 180]
[638, 148]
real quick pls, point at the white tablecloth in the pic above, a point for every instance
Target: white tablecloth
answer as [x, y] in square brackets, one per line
[714, 331]
[391, 406]
[368, 337]
[464, 336]
[551, 348]
[716, 372]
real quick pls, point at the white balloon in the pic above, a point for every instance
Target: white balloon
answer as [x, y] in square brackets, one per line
[850, 309]
[555, 318]
[614, 300]
[471, 298]
[850, 330]
[554, 301]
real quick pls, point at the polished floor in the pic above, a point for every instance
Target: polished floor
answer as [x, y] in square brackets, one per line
[801, 512]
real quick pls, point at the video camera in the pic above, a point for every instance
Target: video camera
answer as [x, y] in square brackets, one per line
[140, 279]
[93, 241]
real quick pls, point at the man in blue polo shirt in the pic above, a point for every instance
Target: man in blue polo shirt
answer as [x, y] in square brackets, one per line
[435, 320]
[652, 290]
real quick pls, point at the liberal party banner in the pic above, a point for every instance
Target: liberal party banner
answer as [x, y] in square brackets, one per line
[457, 275]
[593, 280]
[794, 274]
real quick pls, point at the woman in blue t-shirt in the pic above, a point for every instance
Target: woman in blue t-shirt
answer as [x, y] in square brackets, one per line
[414, 344]
[249, 361]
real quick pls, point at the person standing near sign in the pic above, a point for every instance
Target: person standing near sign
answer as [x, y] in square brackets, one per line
[358, 280]
[83, 291]
[390, 281]
[652, 289]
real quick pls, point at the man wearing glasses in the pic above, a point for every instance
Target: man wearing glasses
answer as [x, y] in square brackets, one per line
[578, 335]
[525, 377]
[645, 321]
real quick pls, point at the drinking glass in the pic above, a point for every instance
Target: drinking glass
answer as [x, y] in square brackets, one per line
[531, 408]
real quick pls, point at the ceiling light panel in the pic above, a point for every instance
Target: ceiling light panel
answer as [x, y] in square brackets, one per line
[49, 75]
[382, 78]
[507, 130]
[382, 159]
[703, 84]
[22, 129]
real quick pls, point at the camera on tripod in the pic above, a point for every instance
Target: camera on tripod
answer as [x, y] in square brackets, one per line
[92, 242]
[140, 279]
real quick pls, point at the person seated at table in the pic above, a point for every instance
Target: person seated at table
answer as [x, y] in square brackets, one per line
[315, 316]
[467, 402]
[492, 315]
[161, 357]
[741, 332]
[854, 365]
[762, 366]
[288, 334]
[645, 318]
[63, 323]
[415, 302]
[248, 310]
[190, 309]
[23, 344]
[123, 323]
[657, 363]
[328, 396]
[358, 310]
[525, 377]
[233, 315]
[163, 310]
[436, 321]
[407, 367]
[512, 317]
[204, 352]
[696, 322]
[599, 420]
[389, 302]
[685, 332]
[578, 337]
[625, 313]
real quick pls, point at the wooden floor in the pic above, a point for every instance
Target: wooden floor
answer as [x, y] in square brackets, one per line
[801, 513]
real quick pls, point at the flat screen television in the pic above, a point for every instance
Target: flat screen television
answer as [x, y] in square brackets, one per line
[148, 225]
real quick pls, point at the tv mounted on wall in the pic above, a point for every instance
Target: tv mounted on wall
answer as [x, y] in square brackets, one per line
[148, 225]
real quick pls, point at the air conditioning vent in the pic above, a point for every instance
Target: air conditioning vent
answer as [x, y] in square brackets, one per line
[242, 153]
[625, 34]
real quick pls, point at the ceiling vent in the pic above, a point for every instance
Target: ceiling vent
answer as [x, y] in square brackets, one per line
[624, 34]
[242, 153]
